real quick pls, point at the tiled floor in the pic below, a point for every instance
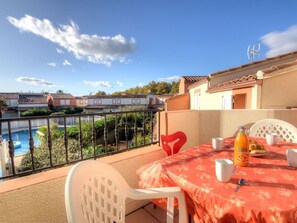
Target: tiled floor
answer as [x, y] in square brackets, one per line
[148, 214]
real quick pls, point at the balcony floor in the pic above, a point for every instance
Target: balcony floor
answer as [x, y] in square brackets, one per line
[149, 214]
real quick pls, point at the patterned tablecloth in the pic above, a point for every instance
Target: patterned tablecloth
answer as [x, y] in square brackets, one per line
[270, 194]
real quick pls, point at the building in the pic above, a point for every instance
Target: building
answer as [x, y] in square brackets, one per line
[186, 81]
[20, 102]
[265, 84]
[104, 103]
[31, 100]
[61, 100]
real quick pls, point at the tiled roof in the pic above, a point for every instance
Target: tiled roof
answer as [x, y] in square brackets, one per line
[10, 95]
[62, 96]
[279, 67]
[256, 62]
[32, 100]
[198, 83]
[237, 82]
[193, 78]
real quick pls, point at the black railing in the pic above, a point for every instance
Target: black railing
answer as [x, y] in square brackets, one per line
[66, 139]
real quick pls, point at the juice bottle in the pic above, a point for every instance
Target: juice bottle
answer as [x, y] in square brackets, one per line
[241, 147]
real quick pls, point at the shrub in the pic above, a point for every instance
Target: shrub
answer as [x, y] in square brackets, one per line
[36, 112]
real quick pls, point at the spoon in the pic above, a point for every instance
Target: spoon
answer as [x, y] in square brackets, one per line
[240, 183]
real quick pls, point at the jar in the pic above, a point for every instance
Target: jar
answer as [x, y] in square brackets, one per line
[241, 147]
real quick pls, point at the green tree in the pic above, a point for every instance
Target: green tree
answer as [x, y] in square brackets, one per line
[100, 93]
[163, 88]
[60, 92]
[174, 87]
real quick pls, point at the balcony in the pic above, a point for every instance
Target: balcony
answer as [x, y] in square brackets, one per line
[40, 197]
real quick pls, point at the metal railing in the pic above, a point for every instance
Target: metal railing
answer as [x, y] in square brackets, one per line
[66, 139]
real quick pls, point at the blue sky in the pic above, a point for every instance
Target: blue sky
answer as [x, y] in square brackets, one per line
[82, 47]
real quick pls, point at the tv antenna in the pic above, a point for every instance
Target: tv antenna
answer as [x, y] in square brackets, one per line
[252, 52]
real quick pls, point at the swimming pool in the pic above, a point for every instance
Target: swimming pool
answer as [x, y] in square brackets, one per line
[22, 136]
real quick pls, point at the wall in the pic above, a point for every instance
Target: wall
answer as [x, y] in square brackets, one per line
[248, 96]
[201, 125]
[279, 90]
[40, 197]
[179, 102]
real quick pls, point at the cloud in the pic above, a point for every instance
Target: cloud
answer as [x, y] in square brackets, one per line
[52, 64]
[93, 48]
[104, 84]
[281, 42]
[169, 79]
[120, 83]
[59, 51]
[66, 63]
[140, 84]
[35, 81]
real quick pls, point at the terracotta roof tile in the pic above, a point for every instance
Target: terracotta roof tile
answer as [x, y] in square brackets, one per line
[253, 63]
[234, 82]
[62, 96]
[193, 78]
[10, 95]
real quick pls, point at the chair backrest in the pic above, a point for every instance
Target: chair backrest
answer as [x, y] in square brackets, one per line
[285, 130]
[95, 192]
[180, 138]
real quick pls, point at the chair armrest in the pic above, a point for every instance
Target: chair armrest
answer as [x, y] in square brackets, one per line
[163, 192]
[151, 193]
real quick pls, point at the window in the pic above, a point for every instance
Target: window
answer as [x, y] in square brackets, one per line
[196, 100]
[227, 102]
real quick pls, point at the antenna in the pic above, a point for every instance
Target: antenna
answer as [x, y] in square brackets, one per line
[252, 52]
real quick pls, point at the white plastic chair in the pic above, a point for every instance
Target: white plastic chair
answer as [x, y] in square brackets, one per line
[96, 192]
[285, 130]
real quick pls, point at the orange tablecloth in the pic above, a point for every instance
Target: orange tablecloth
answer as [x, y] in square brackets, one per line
[270, 194]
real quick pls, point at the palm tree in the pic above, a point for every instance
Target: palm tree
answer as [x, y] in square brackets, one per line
[3, 107]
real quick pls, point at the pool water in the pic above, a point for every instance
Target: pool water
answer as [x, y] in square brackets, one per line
[22, 136]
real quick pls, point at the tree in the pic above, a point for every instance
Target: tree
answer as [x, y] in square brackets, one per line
[100, 93]
[60, 92]
[3, 107]
[175, 87]
[163, 88]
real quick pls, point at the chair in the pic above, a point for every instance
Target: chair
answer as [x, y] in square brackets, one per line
[166, 139]
[285, 130]
[96, 192]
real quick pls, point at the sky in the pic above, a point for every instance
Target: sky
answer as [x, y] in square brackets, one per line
[81, 47]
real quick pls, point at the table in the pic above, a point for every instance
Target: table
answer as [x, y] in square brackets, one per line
[270, 194]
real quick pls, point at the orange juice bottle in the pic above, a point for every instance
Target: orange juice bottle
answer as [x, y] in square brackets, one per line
[241, 147]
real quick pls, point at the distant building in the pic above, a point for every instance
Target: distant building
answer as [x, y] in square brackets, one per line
[105, 103]
[61, 100]
[82, 101]
[31, 100]
[20, 102]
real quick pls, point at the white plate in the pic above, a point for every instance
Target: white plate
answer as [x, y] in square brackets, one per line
[259, 154]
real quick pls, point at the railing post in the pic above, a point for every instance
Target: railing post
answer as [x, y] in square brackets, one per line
[80, 139]
[11, 148]
[66, 140]
[49, 142]
[159, 127]
[94, 135]
[116, 131]
[31, 145]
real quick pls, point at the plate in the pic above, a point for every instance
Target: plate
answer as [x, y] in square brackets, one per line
[259, 154]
